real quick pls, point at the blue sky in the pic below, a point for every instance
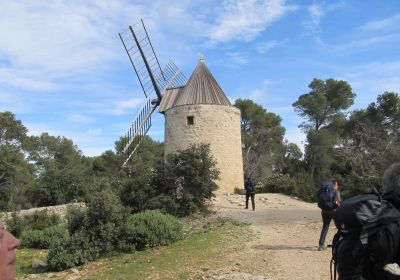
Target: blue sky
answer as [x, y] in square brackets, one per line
[63, 69]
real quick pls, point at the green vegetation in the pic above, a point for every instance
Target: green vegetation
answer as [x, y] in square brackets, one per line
[203, 249]
[38, 220]
[129, 209]
[42, 239]
[152, 228]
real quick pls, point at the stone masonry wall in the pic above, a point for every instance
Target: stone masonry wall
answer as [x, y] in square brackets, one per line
[60, 210]
[216, 125]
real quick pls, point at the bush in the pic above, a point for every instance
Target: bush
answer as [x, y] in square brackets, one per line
[153, 228]
[96, 232]
[39, 220]
[71, 252]
[42, 239]
[277, 183]
[15, 224]
[76, 219]
[305, 187]
[191, 175]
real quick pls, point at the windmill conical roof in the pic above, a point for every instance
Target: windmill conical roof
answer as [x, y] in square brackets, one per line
[201, 88]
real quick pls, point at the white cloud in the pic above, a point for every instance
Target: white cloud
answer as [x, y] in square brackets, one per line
[25, 79]
[382, 24]
[79, 118]
[10, 102]
[127, 106]
[256, 94]
[264, 47]
[95, 131]
[47, 40]
[371, 79]
[244, 20]
[237, 58]
[316, 12]
[355, 45]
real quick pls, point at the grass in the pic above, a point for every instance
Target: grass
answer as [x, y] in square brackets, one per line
[203, 250]
[25, 258]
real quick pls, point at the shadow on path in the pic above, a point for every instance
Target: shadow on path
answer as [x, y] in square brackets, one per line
[285, 247]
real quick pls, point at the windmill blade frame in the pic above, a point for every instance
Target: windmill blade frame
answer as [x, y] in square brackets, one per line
[152, 80]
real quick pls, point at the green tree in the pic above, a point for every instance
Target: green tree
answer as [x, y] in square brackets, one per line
[61, 170]
[370, 143]
[321, 107]
[262, 139]
[16, 174]
[293, 159]
[191, 174]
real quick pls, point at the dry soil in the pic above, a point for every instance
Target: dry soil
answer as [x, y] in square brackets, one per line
[285, 247]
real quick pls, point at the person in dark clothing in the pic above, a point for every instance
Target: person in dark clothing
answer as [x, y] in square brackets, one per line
[250, 192]
[327, 215]
[374, 252]
[385, 245]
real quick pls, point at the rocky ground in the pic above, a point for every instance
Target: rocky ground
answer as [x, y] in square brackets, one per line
[287, 232]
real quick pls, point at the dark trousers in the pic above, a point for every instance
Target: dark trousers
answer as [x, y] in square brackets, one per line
[326, 220]
[248, 195]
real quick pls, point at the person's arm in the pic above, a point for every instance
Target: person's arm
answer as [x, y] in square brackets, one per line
[337, 196]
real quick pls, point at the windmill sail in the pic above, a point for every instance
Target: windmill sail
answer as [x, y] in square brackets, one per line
[152, 79]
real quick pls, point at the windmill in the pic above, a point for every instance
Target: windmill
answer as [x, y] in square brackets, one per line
[196, 111]
[153, 80]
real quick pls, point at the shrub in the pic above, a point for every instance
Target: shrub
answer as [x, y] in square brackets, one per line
[71, 252]
[277, 183]
[153, 228]
[39, 220]
[191, 175]
[305, 187]
[138, 191]
[42, 239]
[76, 219]
[237, 190]
[15, 224]
[96, 232]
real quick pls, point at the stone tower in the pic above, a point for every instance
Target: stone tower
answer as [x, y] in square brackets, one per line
[199, 112]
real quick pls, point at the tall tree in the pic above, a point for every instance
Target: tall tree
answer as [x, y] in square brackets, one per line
[61, 170]
[16, 174]
[324, 104]
[370, 143]
[262, 139]
[293, 159]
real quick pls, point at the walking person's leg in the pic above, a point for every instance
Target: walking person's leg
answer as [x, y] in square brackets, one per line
[247, 200]
[326, 220]
[253, 203]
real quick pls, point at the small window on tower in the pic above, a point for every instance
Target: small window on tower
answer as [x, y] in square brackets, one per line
[190, 120]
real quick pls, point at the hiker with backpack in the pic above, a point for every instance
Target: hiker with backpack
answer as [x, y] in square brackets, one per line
[328, 200]
[367, 244]
[250, 192]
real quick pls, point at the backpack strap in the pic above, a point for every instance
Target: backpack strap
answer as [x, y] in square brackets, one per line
[364, 236]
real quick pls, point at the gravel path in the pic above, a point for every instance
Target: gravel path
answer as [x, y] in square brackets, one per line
[287, 233]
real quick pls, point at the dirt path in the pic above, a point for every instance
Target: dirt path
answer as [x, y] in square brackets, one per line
[287, 233]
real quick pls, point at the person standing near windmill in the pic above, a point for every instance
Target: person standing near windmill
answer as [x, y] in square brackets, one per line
[249, 186]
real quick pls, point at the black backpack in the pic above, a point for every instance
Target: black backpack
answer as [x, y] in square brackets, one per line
[326, 195]
[359, 221]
